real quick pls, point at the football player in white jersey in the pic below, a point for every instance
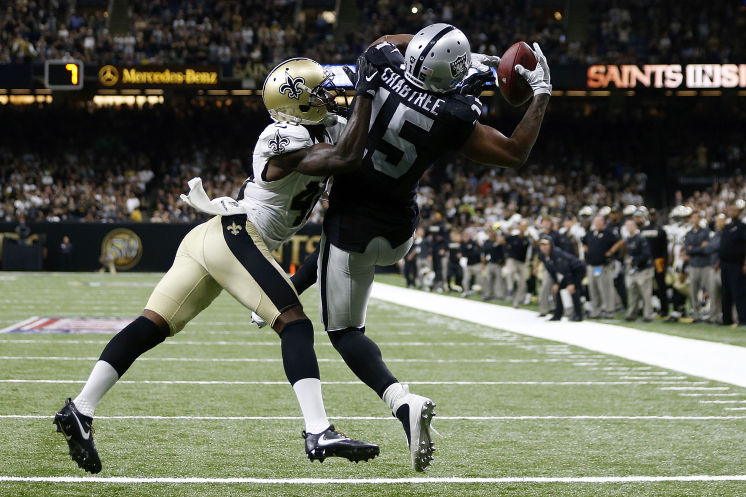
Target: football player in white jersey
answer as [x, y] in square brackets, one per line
[231, 251]
[676, 231]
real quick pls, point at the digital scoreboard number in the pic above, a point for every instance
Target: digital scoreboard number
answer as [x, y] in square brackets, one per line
[63, 74]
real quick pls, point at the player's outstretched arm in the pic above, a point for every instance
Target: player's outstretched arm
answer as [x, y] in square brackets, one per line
[488, 146]
[325, 159]
[400, 41]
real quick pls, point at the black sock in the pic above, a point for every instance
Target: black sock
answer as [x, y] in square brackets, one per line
[306, 274]
[135, 339]
[363, 357]
[298, 356]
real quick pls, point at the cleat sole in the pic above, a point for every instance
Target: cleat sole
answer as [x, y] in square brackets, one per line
[424, 456]
[352, 454]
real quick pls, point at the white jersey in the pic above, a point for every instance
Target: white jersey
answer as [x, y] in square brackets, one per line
[279, 208]
[576, 233]
[675, 232]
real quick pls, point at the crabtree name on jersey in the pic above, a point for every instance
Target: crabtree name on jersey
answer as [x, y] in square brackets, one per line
[423, 100]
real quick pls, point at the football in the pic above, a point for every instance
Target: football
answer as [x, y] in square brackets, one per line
[512, 85]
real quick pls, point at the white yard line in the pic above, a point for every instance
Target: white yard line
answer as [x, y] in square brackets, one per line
[262, 344]
[710, 394]
[722, 401]
[391, 418]
[121, 480]
[716, 361]
[694, 388]
[648, 377]
[277, 359]
[227, 382]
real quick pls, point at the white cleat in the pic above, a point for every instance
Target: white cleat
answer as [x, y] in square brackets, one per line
[256, 319]
[419, 414]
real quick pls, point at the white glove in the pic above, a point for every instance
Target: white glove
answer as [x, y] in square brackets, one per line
[482, 62]
[538, 79]
[257, 319]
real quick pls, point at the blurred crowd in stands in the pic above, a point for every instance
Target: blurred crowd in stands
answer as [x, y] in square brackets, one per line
[663, 32]
[267, 31]
[113, 164]
[119, 164]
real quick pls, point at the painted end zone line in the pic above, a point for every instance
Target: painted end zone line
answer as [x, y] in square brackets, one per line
[712, 360]
[373, 481]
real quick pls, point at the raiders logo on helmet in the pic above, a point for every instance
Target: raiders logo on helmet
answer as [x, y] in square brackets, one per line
[459, 66]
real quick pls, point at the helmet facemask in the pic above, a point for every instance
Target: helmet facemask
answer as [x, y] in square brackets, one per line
[323, 94]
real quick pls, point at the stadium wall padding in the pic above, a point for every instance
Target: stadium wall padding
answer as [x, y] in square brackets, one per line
[158, 242]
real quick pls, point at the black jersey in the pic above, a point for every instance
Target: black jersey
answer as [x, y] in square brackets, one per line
[409, 130]
[657, 240]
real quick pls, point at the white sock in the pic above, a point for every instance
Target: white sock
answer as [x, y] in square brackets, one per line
[102, 378]
[308, 391]
[393, 394]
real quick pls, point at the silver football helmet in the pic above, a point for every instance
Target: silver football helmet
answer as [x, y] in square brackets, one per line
[438, 58]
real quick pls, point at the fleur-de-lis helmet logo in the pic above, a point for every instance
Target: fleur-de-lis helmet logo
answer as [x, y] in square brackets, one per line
[293, 87]
[278, 143]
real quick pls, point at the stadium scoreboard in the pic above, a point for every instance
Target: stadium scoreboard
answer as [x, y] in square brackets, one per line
[64, 74]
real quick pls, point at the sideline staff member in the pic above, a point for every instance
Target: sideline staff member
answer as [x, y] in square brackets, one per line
[733, 264]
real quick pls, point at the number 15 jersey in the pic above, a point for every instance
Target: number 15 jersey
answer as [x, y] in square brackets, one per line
[409, 129]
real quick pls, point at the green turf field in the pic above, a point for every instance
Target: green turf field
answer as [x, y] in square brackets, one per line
[509, 407]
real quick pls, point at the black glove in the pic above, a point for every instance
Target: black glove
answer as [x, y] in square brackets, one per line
[366, 79]
[474, 84]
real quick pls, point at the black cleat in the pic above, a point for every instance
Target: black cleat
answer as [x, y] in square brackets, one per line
[78, 432]
[333, 443]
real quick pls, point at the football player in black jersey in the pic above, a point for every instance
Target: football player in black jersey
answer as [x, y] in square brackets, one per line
[423, 109]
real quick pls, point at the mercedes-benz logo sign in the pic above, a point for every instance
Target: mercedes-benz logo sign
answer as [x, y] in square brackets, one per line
[108, 75]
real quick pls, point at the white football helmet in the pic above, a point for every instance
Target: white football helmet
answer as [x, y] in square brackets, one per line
[681, 212]
[586, 211]
[438, 58]
[629, 210]
[642, 212]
